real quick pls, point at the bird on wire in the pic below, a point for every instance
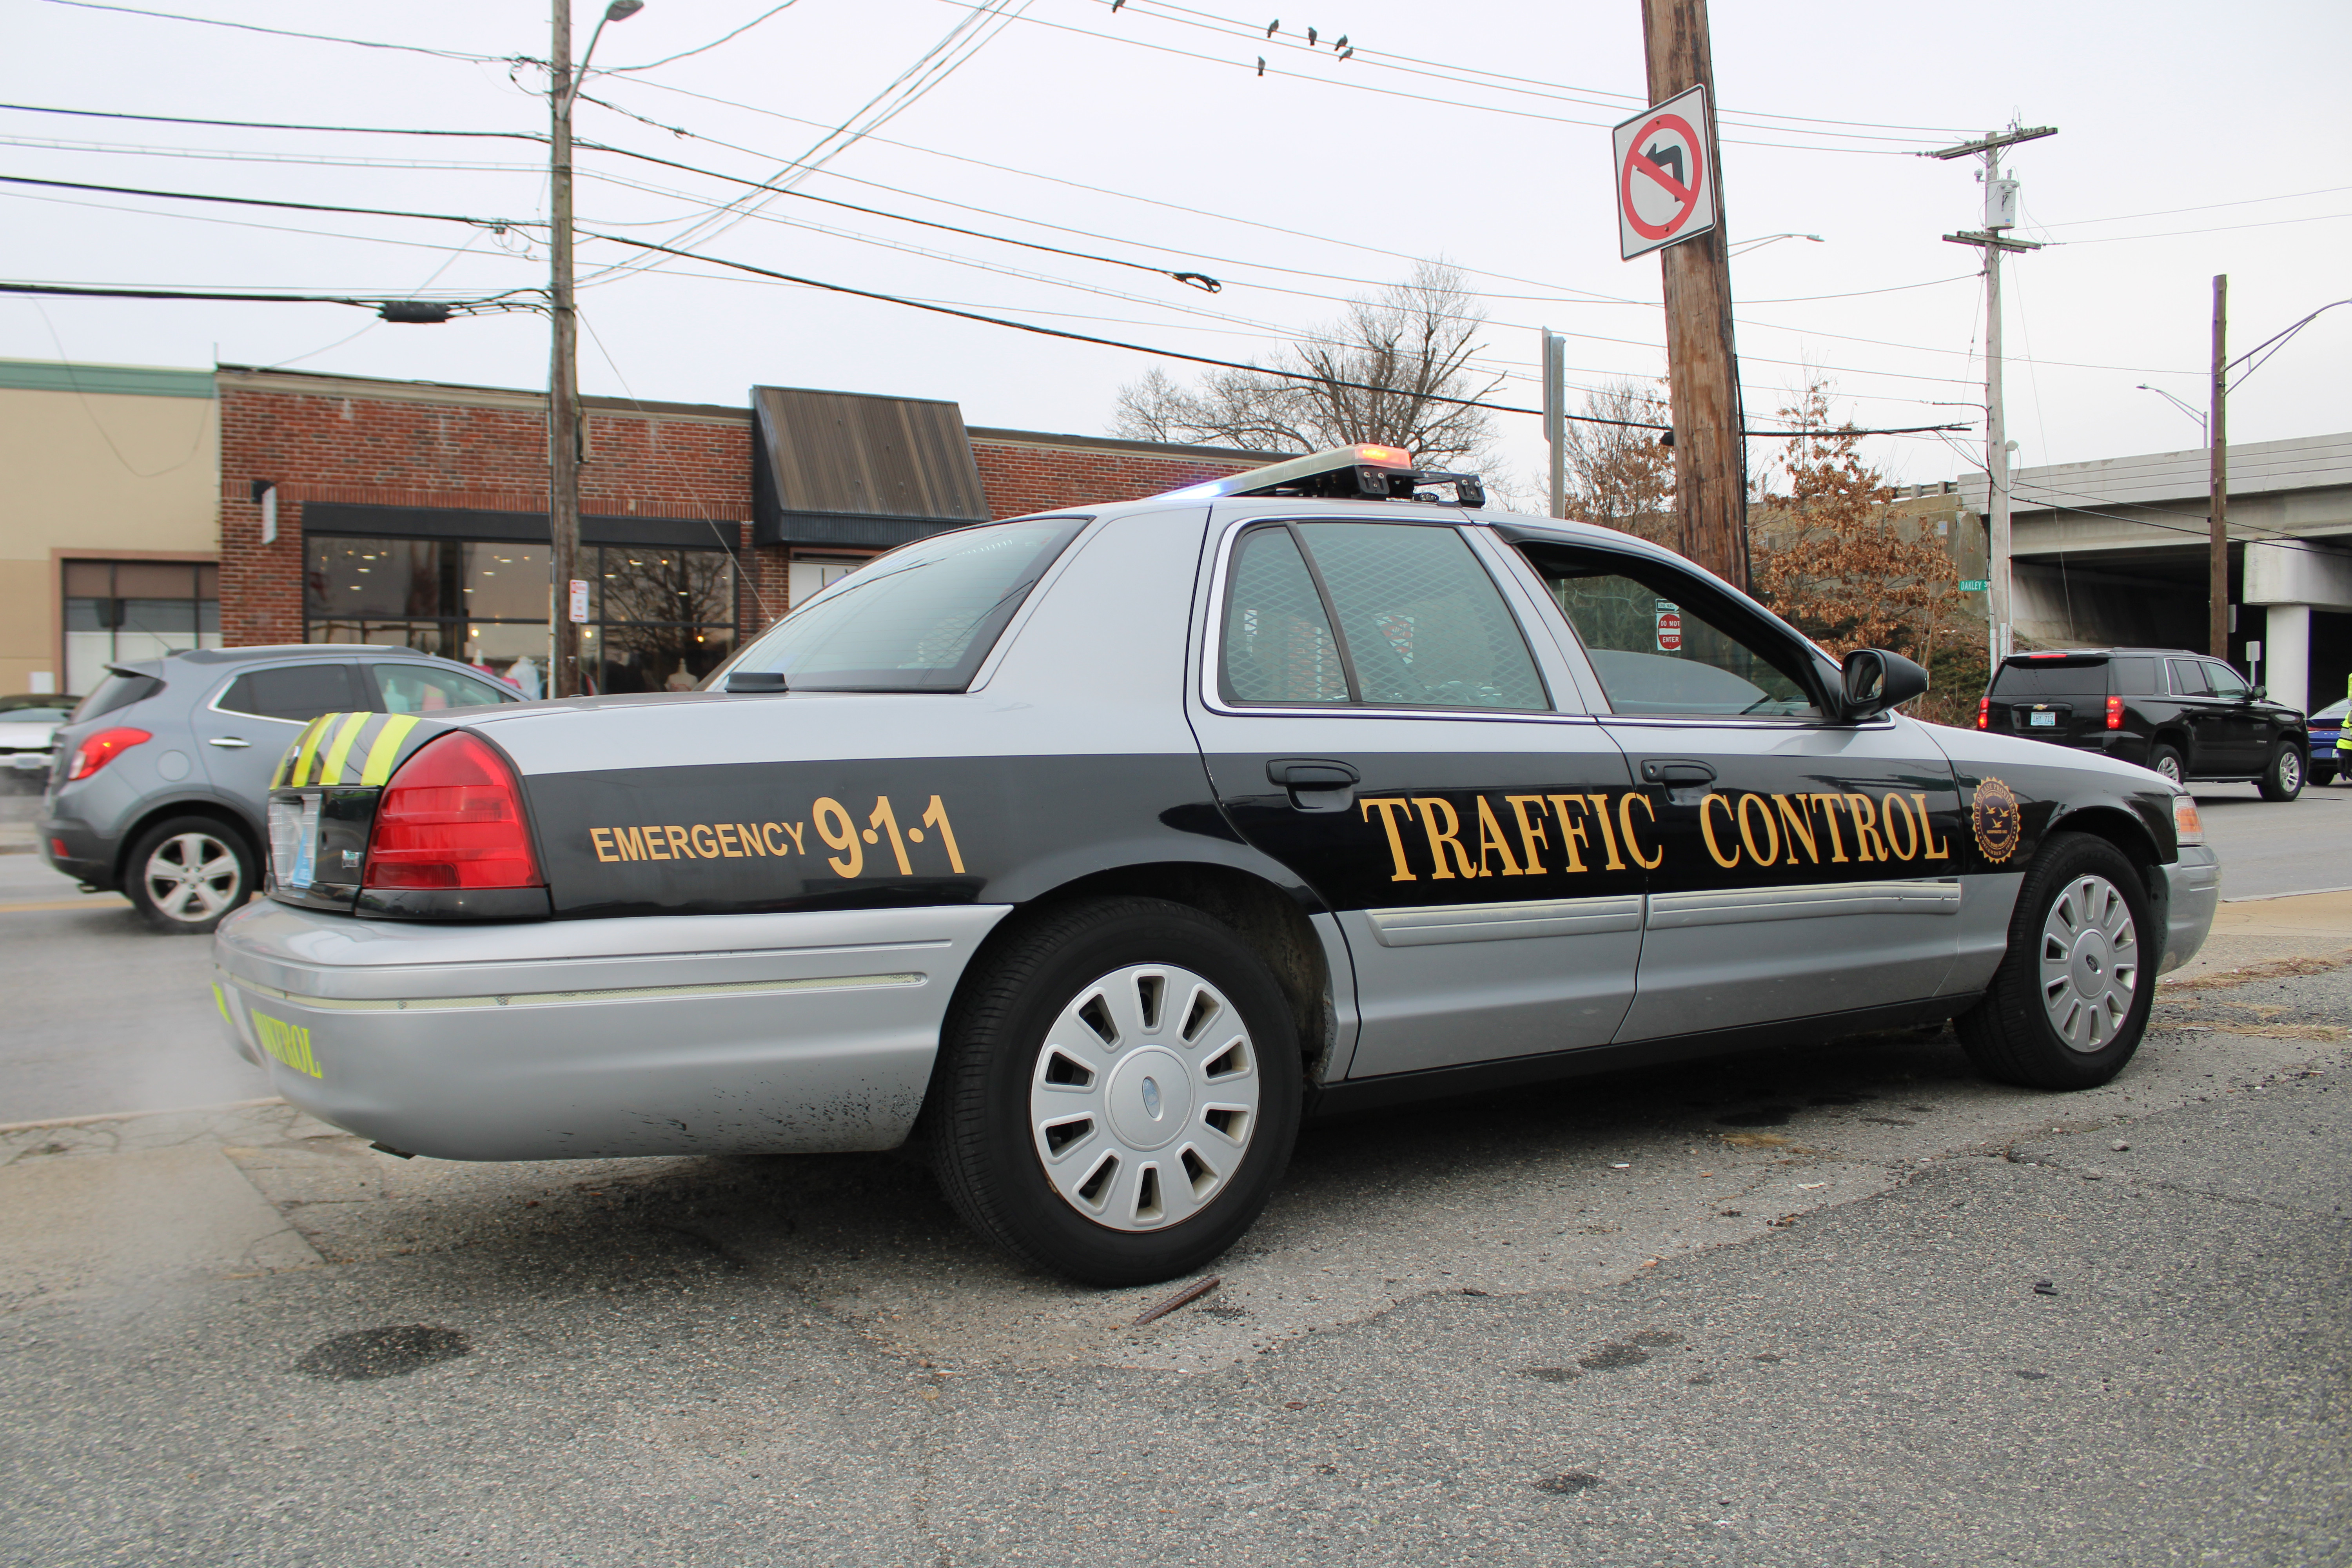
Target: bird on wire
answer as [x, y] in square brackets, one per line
[1340, 42]
[1348, 54]
[1274, 26]
[1310, 37]
[1261, 65]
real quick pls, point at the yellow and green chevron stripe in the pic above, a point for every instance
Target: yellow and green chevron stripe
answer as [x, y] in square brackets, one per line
[344, 748]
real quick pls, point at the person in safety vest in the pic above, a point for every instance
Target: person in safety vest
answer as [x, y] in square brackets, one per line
[2344, 739]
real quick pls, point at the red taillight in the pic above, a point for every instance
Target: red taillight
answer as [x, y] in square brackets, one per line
[2115, 712]
[97, 750]
[451, 817]
[1984, 712]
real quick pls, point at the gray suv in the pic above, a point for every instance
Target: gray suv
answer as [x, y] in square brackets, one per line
[162, 780]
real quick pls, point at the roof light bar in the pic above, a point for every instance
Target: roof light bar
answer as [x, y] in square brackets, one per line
[1344, 473]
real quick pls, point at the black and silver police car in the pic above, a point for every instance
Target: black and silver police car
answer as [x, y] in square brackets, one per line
[1095, 849]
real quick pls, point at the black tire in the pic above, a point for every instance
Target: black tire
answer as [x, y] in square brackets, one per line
[2323, 774]
[2283, 774]
[186, 874]
[996, 1069]
[2166, 761]
[2013, 1035]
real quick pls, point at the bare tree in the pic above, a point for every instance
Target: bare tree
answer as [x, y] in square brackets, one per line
[1376, 376]
[1618, 476]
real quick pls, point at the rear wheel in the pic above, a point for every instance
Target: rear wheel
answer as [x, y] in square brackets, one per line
[186, 874]
[1120, 1093]
[2069, 1004]
[2283, 774]
[2166, 761]
[2323, 774]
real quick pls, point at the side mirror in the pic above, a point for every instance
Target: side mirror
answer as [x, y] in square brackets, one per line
[2261, 693]
[1874, 681]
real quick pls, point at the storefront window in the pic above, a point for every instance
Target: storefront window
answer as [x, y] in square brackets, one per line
[658, 618]
[118, 611]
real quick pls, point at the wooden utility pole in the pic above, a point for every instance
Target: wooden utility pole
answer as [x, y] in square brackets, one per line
[563, 379]
[2217, 443]
[1703, 366]
[2001, 215]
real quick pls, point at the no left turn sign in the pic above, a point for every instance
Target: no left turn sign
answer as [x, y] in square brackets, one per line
[1665, 180]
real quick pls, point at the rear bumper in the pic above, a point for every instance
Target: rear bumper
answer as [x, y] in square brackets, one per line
[87, 858]
[2192, 895]
[693, 1034]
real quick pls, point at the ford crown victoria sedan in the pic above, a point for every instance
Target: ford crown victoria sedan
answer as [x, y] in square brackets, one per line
[1093, 852]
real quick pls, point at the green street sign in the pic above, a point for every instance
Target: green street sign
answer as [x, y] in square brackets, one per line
[1975, 585]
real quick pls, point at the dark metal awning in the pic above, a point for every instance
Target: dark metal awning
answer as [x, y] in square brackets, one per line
[846, 470]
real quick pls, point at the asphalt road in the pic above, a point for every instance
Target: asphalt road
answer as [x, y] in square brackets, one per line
[2271, 848]
[1844, 1305]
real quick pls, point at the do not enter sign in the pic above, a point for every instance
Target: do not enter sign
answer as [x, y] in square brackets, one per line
[1665, 179]
[1670, 628]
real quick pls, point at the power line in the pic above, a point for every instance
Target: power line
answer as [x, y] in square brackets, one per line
[700, 49]
[283, 33]
[496, 226]
[1140, 348]
[396, 308]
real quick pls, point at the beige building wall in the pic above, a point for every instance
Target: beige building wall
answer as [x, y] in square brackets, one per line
[98, 462]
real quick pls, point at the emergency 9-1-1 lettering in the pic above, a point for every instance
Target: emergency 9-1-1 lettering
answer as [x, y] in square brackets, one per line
[835, 830]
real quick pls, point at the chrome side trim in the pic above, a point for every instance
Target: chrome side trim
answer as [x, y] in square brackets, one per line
[568, 998]
[1804, 901]
[1427, 926]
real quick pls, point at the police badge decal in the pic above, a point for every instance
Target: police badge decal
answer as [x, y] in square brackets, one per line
[1995, 819]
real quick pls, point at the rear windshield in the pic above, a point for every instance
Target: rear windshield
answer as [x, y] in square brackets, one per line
[118, 689]
[920, 618]
[2053, 678]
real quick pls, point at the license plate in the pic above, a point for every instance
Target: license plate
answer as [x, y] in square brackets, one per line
[2043, 720]
[294, 840]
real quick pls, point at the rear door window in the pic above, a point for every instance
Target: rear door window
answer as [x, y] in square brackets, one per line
[297, 693]
[2188, 678]
[1419, 622]
[421, 689]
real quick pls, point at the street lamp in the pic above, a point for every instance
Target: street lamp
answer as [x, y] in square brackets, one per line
[2204, 434]
[1740, 246]
[568, 606]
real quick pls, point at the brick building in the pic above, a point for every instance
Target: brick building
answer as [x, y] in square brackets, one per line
[415, 512]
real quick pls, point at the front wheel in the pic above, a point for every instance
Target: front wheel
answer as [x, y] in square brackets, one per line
[185, 875]
[2069, 1004]
[1120, 1093]
[2283, 774]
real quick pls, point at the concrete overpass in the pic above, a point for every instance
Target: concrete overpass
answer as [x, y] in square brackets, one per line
[2114, 552]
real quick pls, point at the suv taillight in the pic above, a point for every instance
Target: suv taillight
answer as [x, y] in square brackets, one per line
[97, 750]
[2115, 712]
[1984, 712]
[452, 818]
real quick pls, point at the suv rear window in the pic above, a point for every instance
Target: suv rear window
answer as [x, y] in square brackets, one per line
[120, 688]
[920, 618]
[2053, 678]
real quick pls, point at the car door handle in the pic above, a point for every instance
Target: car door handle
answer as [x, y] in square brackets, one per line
[1310, 773]
[1686, 779]
[227, 742]
[1315, 783]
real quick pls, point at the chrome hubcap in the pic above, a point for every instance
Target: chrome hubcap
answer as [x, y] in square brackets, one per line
[1145, 1098]
[2170, 767]
[192, 876]
[2090, 962]
[2290, 772]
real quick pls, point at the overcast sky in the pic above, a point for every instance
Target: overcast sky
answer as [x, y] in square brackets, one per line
[2194, 140]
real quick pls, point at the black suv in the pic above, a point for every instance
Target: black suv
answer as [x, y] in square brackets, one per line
[2183, 714]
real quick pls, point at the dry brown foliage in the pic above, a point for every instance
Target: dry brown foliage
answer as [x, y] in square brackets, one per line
[1833, 559]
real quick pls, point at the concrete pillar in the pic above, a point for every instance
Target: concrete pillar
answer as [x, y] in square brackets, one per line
[2286, 655]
